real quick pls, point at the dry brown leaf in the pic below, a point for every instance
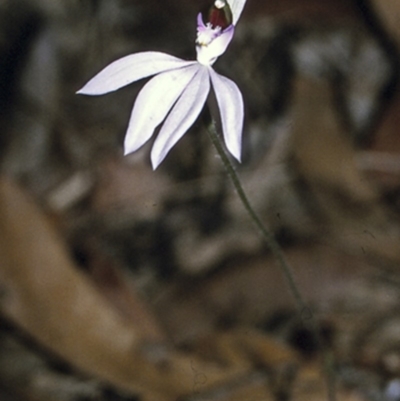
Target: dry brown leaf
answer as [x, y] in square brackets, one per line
[387, 138]
[311, 385]
[250, 291]
[340, 196]
[389, 13]
[45, 294]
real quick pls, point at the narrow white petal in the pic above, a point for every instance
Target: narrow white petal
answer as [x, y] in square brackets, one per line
[153, 104]
[129, 69]
[182, 116]
[230, 104]
[236, 8]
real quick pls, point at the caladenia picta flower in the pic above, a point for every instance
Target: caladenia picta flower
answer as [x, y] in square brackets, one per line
[177, 94]
[180, 88]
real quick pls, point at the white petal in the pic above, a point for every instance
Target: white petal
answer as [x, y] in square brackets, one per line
[182, 116]
[153, 104]
[230, 103]
[129, 69]
[207, 55]
[236, 8]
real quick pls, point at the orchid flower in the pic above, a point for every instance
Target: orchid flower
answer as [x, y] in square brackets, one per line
[179, 90]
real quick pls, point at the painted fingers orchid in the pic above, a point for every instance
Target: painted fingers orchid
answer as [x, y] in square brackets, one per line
[179, 90]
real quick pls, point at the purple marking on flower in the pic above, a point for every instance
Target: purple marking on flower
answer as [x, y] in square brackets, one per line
[206, 33]
[211, 42]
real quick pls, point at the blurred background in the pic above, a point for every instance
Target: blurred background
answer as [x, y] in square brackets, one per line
[122, 283]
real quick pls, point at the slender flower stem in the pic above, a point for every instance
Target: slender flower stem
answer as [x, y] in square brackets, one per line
[304, 310]
[267, 235]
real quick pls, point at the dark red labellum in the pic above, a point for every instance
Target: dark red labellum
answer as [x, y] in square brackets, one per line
[221, 17]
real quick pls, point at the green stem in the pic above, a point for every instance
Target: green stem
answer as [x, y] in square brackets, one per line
[267, 235]
[305, 311]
